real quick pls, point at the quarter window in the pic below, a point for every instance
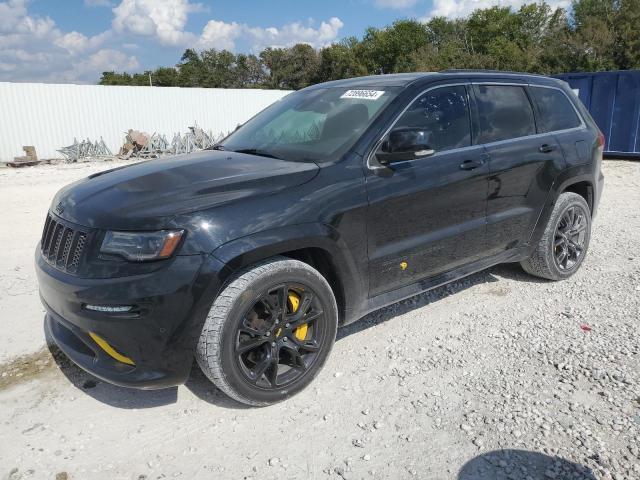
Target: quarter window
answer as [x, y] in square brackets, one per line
[504, 112]
[443, 114]
[555, 111]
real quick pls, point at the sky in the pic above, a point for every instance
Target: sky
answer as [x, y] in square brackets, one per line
[74, 41]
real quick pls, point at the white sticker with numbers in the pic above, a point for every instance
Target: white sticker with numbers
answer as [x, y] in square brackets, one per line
[365, 94]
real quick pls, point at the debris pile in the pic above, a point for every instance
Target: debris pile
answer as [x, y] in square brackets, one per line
[142, 145]
[139, 144]
[195, 139]
[85, 149]
[31, 158]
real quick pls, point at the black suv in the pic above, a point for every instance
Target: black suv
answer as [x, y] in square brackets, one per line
[335, 201]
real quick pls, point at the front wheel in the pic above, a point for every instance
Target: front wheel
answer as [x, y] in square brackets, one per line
[565, 241]
[269, 332]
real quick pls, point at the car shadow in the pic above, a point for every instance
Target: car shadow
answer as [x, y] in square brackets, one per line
[513, 271]
[417, 301]
[510, 463]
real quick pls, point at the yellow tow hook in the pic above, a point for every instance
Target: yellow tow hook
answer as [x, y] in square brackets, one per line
[294, 304]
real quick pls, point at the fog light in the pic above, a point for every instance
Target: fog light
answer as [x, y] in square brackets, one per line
[110, 308]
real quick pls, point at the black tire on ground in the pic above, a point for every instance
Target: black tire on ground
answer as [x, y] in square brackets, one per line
[544, 261]
[217, 353]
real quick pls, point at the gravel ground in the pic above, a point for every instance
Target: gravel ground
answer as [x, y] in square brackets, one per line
[497, 376]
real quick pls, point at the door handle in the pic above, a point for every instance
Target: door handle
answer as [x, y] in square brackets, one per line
[546, 148]
[470, 164]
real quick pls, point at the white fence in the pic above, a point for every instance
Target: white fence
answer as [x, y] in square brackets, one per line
[51, 116]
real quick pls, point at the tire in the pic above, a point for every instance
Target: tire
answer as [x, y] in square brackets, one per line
[250, 307]
[546, 261]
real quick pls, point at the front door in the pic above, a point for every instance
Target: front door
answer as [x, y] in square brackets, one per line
[427, 216]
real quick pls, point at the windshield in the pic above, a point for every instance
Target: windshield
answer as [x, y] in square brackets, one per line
[311, 125]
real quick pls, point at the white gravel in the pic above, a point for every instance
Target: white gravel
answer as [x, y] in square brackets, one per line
[497, 376]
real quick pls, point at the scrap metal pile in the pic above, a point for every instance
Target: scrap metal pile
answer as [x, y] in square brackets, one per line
[142, 145]
[85, 149]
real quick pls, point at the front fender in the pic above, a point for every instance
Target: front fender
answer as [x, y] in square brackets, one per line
[250, 249]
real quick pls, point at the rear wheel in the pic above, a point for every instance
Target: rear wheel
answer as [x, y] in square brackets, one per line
[269, 332]
[565, 241]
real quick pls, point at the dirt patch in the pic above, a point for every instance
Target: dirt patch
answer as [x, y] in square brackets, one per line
[26, 367]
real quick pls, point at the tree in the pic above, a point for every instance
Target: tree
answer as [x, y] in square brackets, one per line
[249, 72]
[190, 69]
[113, 78]
[597, 35]
[340, 61]
[627, 27]
[291, 68]
[390, 50]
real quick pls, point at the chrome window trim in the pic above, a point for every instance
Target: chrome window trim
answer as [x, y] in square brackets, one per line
[582, 126]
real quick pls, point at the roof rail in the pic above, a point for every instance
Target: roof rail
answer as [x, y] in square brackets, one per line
[480, 70]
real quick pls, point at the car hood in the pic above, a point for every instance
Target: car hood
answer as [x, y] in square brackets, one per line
[149, 194]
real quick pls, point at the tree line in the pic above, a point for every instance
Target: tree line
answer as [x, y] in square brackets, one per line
[596, 35]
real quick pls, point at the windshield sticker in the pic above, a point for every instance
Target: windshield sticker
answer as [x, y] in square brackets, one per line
[366, 94]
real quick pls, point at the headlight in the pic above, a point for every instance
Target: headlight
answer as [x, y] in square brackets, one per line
[142, 246]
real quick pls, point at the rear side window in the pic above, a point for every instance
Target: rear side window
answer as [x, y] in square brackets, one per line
[444, 114]
[504, 112]
[554, 109]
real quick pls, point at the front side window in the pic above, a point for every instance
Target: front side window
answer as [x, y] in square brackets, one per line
[555, 111]
[504, 112]
[443, 114]
[311, 125]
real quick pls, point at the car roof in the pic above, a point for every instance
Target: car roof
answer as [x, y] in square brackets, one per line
[384, 80]
[406, 79]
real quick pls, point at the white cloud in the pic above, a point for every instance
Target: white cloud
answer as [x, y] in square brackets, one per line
[462, 8]
[164, 19]
[395, 4]
[219, 35]
[105, 59]
[33, 48]
[75, 42]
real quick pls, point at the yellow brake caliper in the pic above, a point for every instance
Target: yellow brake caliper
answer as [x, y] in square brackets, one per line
[294, 304]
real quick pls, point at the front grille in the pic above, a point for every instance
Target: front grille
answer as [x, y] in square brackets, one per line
[62, 245]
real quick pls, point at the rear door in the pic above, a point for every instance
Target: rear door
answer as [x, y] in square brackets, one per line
[556, 114]
[523, 163]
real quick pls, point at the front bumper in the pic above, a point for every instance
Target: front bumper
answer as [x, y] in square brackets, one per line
[159, 335]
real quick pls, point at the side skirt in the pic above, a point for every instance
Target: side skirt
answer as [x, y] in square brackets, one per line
[402, 293]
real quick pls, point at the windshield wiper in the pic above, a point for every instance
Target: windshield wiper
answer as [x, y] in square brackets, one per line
[217, 146]
[256, 151]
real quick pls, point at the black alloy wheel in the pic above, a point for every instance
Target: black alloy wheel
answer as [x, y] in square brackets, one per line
[280, 335]
[570, 237]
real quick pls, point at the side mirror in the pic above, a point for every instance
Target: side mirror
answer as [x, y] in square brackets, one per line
[405, 144]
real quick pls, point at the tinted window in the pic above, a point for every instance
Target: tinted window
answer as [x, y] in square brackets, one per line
[444, 114]
[555, 110]
[505, 112]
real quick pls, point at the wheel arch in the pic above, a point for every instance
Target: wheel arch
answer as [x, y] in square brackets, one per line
[584, 188]
[317, 245]
[578, 180]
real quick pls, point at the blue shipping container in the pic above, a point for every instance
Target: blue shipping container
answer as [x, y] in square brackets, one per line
[613, 99]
